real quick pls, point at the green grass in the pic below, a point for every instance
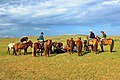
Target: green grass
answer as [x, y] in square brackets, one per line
[102, 66]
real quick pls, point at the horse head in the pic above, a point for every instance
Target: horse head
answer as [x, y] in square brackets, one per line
[30, 43]
[98, 38]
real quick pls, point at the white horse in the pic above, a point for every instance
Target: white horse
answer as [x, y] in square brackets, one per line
[10, 47]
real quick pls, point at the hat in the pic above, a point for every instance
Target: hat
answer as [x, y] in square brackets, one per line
[90, 30]
[42, 33]
[101, 31]
[24, 36]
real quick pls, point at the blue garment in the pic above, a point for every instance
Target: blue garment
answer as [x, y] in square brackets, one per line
[92, 35]
[41, 38]
[22, 40]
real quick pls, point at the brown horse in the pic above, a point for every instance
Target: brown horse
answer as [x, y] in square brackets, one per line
[48, 47]
[79, 45]
[37, 48]
[70, 44]
[108, 41]
[18, 47]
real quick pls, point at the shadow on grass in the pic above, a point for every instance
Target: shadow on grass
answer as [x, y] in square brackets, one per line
[99, 52]
[29, 53]
[54, 54]
[86, 52]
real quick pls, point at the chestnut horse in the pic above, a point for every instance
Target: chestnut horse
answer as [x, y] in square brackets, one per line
[108, 41]
[79, 45]
[48, 47]
[93, 43]
[37, 48]
[19, 46]
[70, 44]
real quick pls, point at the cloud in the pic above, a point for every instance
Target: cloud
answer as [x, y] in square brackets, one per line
[29, 13]
[6, 24]
[41, 28]
[111, 2]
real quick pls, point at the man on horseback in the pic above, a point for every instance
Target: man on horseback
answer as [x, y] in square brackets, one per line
[24, 39]
[92, 35]
[103, 37]
[41, 38]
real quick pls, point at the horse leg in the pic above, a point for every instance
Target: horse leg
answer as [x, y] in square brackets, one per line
[102, 48]
[80, 51]
[14, 51]
[25, 51]
[41, 51]
[19, 51]
[50, 52]
[71, 50]
[38, 52]
[45, 52]
[8, 50]
[95, 49]
[112, 46]
[34, 53]
[91, 48]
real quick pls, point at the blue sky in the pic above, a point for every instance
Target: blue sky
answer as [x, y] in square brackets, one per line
[58, 17]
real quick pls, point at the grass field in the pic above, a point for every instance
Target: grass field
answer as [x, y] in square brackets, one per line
[90, 66]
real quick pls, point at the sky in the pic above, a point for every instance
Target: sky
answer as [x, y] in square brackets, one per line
[58, 17]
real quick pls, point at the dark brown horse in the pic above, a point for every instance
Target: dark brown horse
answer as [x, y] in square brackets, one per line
[108, 41]
[37, 48]
[19, 46]
[79, 46]
[70, 44]
[48, 47]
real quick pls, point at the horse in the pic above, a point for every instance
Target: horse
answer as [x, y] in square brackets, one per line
[108, 41]
[37, 48]
[10, 47]
[79, 45]
[71, 44]
[19, 46]
[68, 45]
[48, 47]
[92, 44]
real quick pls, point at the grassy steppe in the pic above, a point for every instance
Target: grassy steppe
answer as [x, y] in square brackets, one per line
[90, 66]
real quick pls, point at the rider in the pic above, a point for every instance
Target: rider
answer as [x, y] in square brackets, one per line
[103, 36]
[24, 39]
[92, 35]
[41, 38]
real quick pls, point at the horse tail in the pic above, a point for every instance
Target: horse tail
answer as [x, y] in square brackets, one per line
[14, 52]
[112, 46]
[33, 50]
[95, 46]
[8, 50]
